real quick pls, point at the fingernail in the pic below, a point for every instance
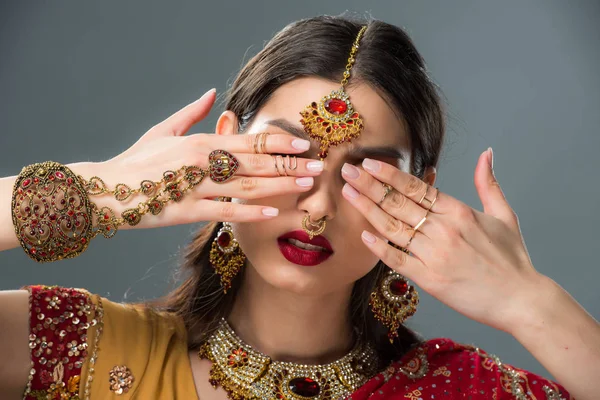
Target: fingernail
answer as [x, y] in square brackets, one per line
[305, 182]
[350, 191]
[371, 165]
[315, 166]
[350, 171]
[270, 211]
[301, 144]
[207, 93]
[491, 157]
[368, 237]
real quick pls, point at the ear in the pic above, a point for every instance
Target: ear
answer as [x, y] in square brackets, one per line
[227, 124]
[429, 176]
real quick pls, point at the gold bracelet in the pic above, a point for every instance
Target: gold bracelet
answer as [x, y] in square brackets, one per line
[54, 218]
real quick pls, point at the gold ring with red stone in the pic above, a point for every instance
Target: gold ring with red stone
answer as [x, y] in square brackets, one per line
[222, 166]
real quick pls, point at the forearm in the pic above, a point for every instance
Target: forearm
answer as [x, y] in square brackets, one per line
[8, 238]
[563, 337]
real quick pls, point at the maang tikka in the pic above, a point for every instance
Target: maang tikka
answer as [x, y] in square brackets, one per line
[333, 120]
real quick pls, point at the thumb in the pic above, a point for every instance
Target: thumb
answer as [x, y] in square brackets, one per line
[180, 122]
[491, 195]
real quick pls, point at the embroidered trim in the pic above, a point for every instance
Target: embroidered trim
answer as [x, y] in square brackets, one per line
[59, 320]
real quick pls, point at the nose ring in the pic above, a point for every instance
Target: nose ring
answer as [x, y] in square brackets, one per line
[313, 228]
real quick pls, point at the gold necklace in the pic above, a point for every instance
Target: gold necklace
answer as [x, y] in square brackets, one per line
[245, 373]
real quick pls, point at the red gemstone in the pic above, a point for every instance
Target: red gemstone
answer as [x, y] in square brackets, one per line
[70, 212]
[304, 387]
[69, 181]
[26, 183]
[398, 287]
[336, 106]
[224, 239]
[36, 180]
[59, 175]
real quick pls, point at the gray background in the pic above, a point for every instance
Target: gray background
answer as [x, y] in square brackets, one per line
[83, 80]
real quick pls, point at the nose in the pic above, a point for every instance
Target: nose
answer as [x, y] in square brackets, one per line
[320, 201]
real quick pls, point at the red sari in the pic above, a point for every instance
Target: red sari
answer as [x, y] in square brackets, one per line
[443, 369]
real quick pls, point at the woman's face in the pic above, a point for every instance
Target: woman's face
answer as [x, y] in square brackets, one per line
[384, 134]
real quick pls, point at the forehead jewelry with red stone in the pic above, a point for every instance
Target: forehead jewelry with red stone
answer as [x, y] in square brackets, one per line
[332, 120]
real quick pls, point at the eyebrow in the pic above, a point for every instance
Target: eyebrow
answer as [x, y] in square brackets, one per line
[356, 150]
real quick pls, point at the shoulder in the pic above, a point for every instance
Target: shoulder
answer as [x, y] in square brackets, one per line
[74, 333]
[443, 367]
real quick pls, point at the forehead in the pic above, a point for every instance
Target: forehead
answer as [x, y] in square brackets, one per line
[382, 126]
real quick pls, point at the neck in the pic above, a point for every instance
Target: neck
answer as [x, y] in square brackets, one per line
[291, 327]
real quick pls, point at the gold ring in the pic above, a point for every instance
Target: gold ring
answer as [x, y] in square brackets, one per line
[307, 226]
[431, 202]
[388, 189]
[222, 165]
[259, 142]
[263, 142]
[275, 165]
[291, 166]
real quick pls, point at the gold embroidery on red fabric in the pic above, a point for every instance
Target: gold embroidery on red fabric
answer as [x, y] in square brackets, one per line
[59, 319]
[417, 366]
[414, 395]
[442, 371]
[512, 380]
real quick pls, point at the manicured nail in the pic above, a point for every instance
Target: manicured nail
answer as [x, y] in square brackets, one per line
[301, 144]
[305, 182]
[270, 211]
[491, 157]
[371, 165]
[368, 237]
[207, 93]
[350, 191]
[315, 166]
[350, 171]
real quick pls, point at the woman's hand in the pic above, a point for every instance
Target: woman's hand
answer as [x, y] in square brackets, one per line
[164, 147]
[475, 262]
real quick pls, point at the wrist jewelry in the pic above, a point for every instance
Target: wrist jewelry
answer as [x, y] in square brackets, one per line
[54, 218]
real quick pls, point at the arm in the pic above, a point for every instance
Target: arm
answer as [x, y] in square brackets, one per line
[14, 305]
[562, 336]
[8, 239]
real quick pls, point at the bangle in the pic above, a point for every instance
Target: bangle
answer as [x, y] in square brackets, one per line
[54, 218]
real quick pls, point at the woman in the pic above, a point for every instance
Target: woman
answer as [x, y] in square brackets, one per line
[297, 288]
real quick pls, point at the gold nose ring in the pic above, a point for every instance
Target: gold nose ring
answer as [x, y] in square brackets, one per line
[313, 228]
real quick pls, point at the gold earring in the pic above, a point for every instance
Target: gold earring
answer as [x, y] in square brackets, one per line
[393, 301]
[226, 256]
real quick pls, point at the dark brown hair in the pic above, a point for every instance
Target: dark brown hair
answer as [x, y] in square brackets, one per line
[387, 61]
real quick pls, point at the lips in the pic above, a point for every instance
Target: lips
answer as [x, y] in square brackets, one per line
[302, 256]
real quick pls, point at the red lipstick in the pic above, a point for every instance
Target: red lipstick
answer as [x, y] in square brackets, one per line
[300, 256]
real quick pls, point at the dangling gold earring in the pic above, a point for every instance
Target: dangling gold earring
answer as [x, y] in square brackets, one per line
[393, 301]
[226, 256]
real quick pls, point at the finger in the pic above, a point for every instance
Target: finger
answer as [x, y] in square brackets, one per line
[492, 198]
[248, 187]
[391, 228]
[210, 210]
[395, 203]
[396, 259]
[409, 185]
[268, 165]
[180, 122]
[242, 143]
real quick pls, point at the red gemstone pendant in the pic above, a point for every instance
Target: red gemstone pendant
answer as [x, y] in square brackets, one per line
[336, 106]
[398, 287]
[304, 387]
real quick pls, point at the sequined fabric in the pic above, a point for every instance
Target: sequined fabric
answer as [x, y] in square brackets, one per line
[443, 369]
[58, 333]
